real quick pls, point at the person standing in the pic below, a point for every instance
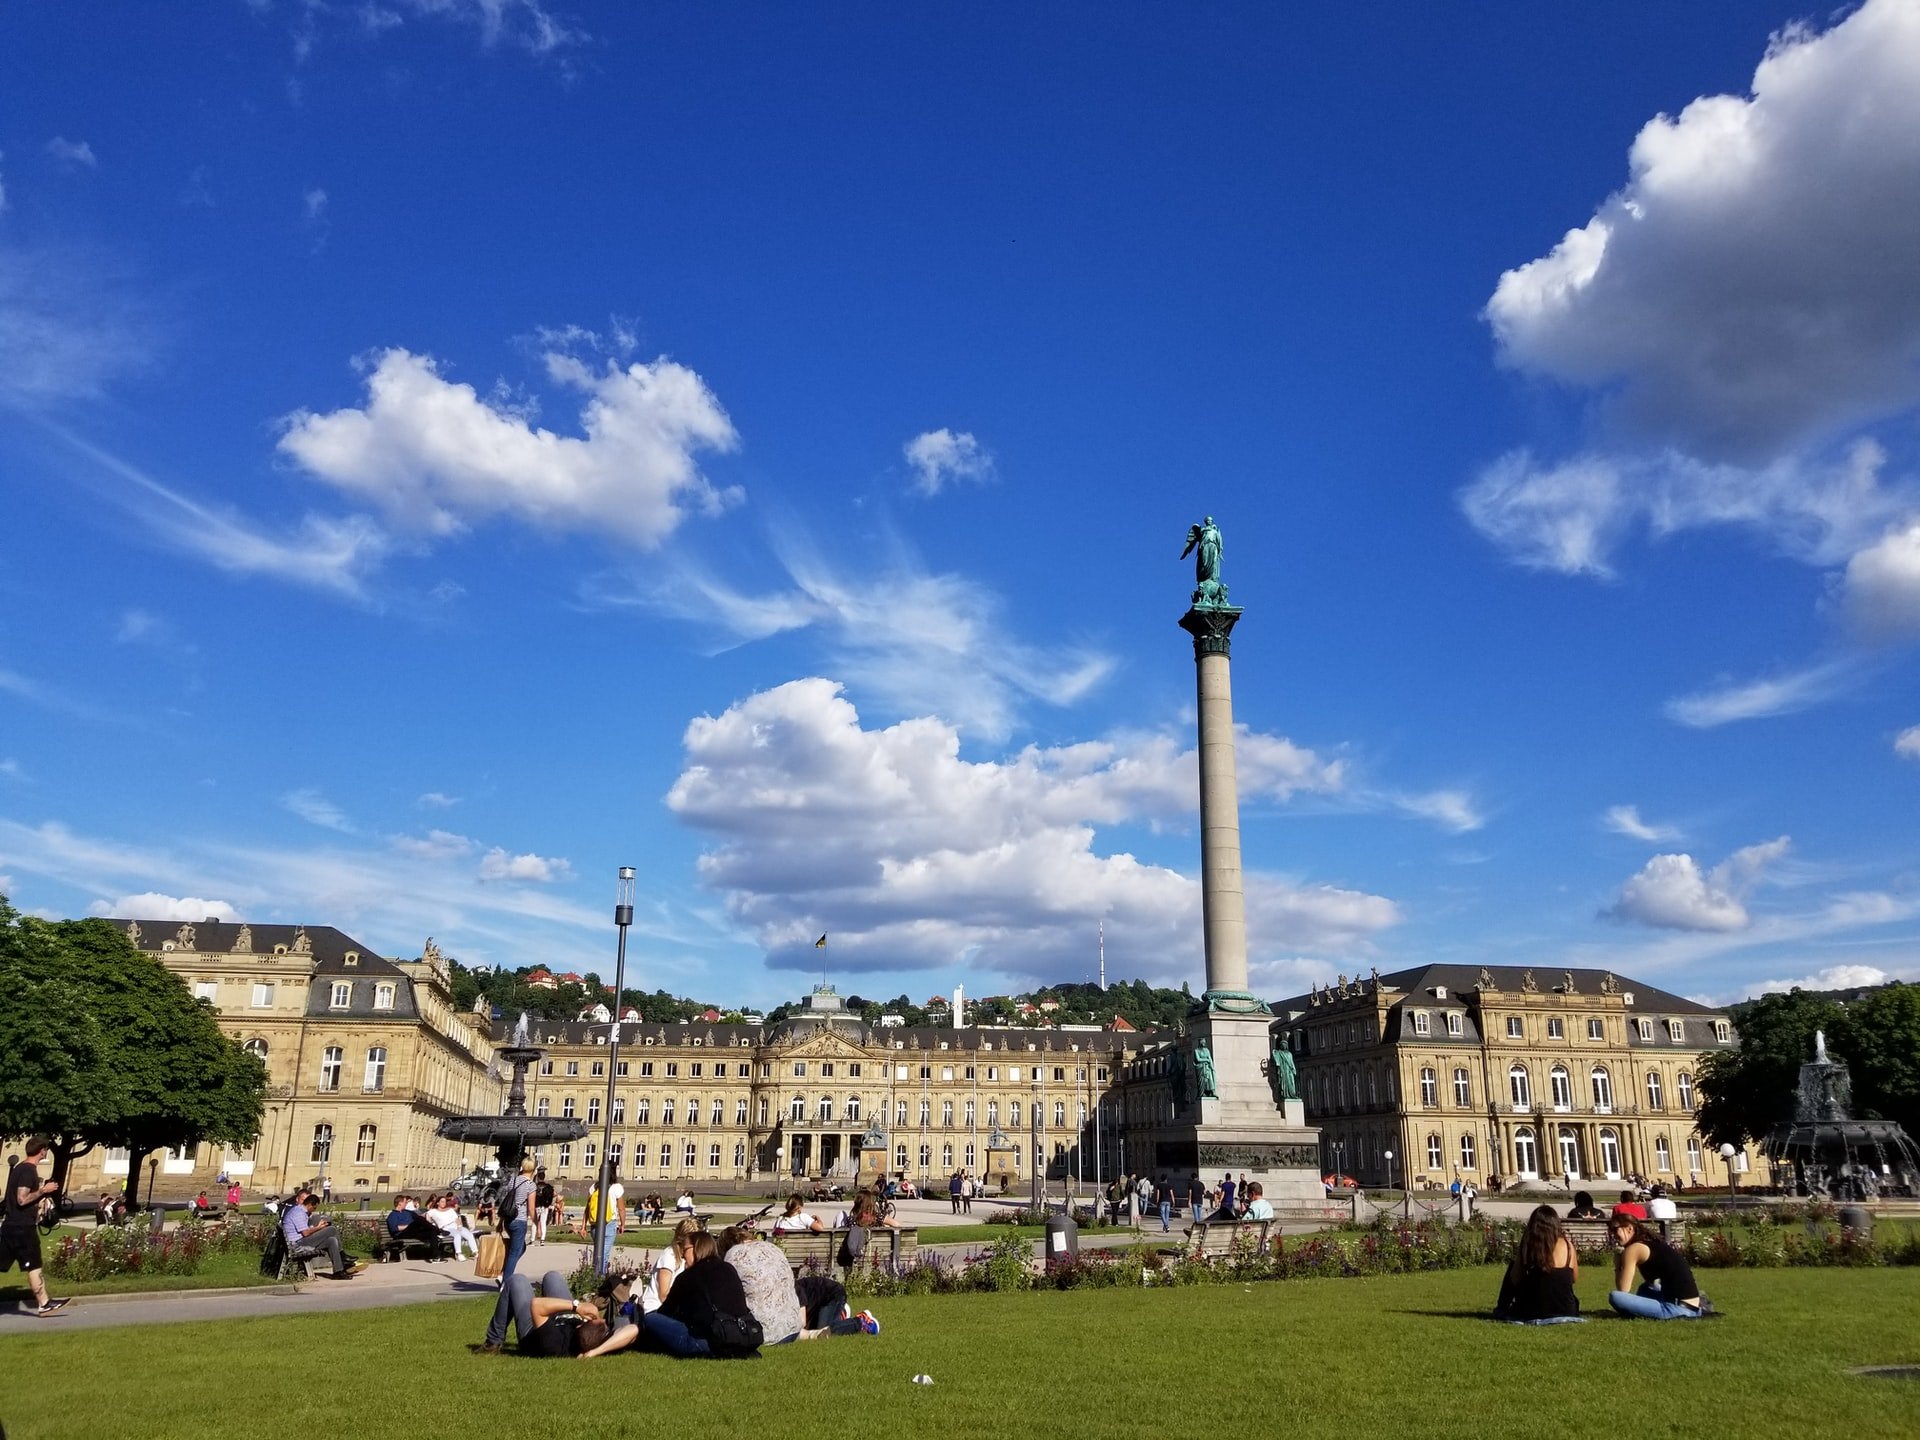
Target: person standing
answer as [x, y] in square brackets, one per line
[542, 1205]
[515, 1216]
[616, 1216]
[20, 1225]
[1164, 1194]
[233, 1199]
[326, 1189]
[953, 1191]
[1226, 1198]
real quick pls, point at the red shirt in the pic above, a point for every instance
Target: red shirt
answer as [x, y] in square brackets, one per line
[1631, 1207]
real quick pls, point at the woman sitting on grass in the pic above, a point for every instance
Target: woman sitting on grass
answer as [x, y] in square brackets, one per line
[1539, 1284]
[674, 1257]
[1669, 1291]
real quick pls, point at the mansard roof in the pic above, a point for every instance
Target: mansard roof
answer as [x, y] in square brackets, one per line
[328, 947]
[1463, 982]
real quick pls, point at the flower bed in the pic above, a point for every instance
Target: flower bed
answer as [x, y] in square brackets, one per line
[134, 1250]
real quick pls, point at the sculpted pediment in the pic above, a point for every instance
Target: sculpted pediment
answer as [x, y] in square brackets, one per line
[826, 1045]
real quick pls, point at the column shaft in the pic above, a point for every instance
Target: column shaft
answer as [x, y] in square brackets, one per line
[1222, 888]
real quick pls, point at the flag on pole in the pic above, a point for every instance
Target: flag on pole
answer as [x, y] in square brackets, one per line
[821, 943]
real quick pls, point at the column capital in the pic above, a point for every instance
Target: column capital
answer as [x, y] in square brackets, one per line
[1211, 627]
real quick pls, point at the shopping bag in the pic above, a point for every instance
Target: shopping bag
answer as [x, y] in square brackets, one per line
[492, 1258]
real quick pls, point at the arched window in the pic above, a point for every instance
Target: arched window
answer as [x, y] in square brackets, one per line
[619, 1109]
[1339, 1089]
[946, 1157]
[591, 1154]
[543, 1107]
[593, 1110]
[330, 1061]
[993, 1113]
[1436, 1153]
[1569, 1151]
[968, 1112]
[1662, 1154]
[1684, 1084]
[1520, 1090]
[740, 1156]
[1462, 1086]
[716, 1111]
[1013, 1113]
[853, 1108]
[256, 1047]
[1526, 1154]
[946, 1113]
[926, 1158]
[375, 1078]
[1694, 1158]
[900, 1114]
[567, 1108]
[1429, 1087]
[796, 1110]
[713, 1157]
[1654, 1097]
[969, 1155]
[322, 1143]
[900, 1157]
[643, 1111]
[823, 1111]
[1466, 1151]
[1059, 1114]
[1373, 1090]
[1602, 1088]
[1562, 1085]
[760, 1110]
[926, 1112]
[1610, 1153]
[690, 1155]
[740, 1109]
[666, 1110]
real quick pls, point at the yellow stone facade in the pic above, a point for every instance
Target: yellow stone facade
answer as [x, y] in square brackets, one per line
[1487, 1075]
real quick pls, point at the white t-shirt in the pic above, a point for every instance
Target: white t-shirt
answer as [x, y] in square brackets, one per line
[685, 1202]
[447, 1220]
[668, 1261]
[801, 1221]
[1661, 1207]
[616, 1192]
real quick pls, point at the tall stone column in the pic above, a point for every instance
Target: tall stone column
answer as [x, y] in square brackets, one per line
[1222, 888]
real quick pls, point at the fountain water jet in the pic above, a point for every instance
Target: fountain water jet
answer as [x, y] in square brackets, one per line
[1823, 1150]
[513, 1131]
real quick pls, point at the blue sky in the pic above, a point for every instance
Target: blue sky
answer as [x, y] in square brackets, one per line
[453, 448]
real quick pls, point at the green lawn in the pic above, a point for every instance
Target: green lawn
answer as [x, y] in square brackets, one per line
[1331, 1357]
[216, 1272]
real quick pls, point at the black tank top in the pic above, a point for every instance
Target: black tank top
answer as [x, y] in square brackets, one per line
[1668, 1266]
[1537, 1294]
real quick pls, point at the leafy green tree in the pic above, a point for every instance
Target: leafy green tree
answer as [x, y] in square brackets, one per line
[1880, 1042]
[1748, 1090]
[107, 1047]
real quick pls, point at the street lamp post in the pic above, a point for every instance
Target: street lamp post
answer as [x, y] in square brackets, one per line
[1389, 1169]
[1727, 1152]
[622, 918]
[1036, 1139]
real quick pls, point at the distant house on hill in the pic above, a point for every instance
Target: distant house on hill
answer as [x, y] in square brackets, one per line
[542, 980]
[1120, 1023]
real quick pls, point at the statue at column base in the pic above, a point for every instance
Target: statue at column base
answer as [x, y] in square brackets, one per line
[1232, 1002]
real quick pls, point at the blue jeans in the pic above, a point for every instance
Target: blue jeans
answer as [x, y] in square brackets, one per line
[673, 1337]
[1166, 1215]
[1647, 1305]
[503, 1309]
[606, 1248]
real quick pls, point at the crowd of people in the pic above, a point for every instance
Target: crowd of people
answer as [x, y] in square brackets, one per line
[703, 1296]
[1539, 1286]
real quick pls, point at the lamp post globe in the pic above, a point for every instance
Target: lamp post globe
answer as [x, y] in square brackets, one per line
[1727, 1152]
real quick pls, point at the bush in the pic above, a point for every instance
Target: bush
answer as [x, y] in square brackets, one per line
[128, 1250]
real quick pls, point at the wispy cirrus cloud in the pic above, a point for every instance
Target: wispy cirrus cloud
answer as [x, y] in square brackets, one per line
[313, 807]
[1625, 820]
[1758, 699]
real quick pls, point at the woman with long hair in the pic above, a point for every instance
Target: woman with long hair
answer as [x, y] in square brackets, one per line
[1668, 1291]
[1539, 1284]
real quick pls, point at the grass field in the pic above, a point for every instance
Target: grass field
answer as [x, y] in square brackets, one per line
[1400, 1354]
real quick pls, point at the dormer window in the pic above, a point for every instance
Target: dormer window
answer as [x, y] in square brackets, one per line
[382, 997]
[353, 958]
[342, 995]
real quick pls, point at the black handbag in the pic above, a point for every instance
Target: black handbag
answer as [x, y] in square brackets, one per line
[734, 1336]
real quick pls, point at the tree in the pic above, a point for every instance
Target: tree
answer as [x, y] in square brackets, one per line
[1746, 1091]
[1880, 1041]
[107, 1047]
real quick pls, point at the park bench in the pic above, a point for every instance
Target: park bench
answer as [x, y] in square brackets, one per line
[820, 1249]
[1209, 1238]
[387, 1248]
[1592, 1234]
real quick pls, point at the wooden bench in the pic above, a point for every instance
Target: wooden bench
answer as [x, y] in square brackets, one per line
[1593, 1234]
[1209, 1238]
[821, 1248]
[388, 1248]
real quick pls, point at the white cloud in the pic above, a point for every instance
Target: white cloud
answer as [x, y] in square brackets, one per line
[913, 857]
[10, 769]
[1452, 810]
[1757, 280]
[1834, 977]
[434, 800]
[1625, 820]
[1907, 742]
[1757, 699]
[70, 322]
[313, 807]
[152, 905]
[314, 204]
[939, 457]
[436, 457]
[434, 845]
[1672, 892]
[1882, 583]
[72, 152]
[497, 864]
[1571, 517]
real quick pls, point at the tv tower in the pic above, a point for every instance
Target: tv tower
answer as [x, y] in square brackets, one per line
[1103, 954]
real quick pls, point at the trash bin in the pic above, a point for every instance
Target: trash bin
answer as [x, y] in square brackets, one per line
[157, 1221]
[1857, 1220]
[1063, 1239]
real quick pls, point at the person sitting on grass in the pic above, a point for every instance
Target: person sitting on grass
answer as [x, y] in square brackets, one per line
[553, 1325]
[673, 1258]
[1584, 1208]
[796, 1218]
[1538, 1288]
[706, 1314]
[1669, 1291]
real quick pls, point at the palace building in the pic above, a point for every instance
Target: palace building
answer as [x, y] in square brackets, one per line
[1489, 1073]
[365, 1056]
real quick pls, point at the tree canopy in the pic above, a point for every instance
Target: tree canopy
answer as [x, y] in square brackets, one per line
[1746, 1091]
[106, 1046]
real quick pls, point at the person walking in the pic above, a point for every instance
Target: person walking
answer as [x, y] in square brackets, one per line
[1163, 1192]
[953, 1191]
[966, 1192]
[20, 1225]
[515, 1217]
[542, 1205]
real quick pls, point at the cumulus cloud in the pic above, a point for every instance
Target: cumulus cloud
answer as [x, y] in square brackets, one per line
[188, 909]
[72, 152]
[434, 845]
[1757, 280]
[314, 808]
[1882, 583]
[1672, 892]
[1758, 699]
[913, 857]
[1570, 517]
[497, 864]
[435, 456]
[940, 457]
[1907, 742]
[1835, 977]
[1625, 820]
[314, 205]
